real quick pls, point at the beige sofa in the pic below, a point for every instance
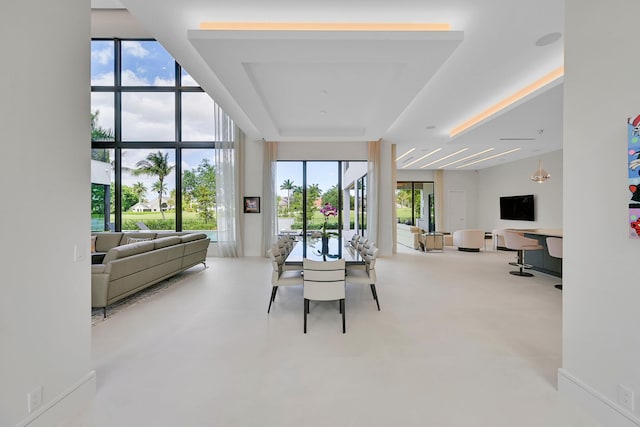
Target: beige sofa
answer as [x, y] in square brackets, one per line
[130, 265]
[408, 235]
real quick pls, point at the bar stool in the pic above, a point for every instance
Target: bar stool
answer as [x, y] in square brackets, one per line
[554, 246]
[518, 242]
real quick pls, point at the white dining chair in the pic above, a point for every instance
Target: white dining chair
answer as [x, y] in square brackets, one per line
[366, 275]
[324, 281]
[279, 276]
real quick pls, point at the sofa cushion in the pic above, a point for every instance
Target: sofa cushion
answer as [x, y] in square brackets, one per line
[163, 242]
[136, 237]
[128, 250]
[171, 233]
[193, 236]
[106, 241]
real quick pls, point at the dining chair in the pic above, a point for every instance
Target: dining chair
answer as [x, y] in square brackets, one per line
[354, 240]
[324, 281]
[279, 276]
[366, 275]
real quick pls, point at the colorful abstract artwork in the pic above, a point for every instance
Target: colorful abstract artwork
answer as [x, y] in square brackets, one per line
[633, 151]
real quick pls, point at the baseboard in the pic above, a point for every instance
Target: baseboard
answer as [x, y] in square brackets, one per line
[65, 406]
[603, 409]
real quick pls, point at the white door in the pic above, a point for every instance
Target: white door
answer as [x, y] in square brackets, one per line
[457, 210]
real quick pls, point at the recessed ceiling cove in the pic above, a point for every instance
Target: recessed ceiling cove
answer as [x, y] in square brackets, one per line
[324, 85]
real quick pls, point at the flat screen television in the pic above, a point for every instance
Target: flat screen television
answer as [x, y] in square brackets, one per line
[520, 208]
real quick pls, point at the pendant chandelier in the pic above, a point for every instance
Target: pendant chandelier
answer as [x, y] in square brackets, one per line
[540, 175]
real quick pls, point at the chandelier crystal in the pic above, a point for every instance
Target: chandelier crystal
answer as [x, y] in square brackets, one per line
[540, 175]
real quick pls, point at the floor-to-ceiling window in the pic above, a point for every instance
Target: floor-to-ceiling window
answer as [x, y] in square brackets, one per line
[415, 204]
[314, 200]
[154, 132]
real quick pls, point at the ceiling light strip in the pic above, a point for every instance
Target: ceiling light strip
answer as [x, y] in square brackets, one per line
[466, 158]
[423, 157]
[323, 26]
[444, 158]
[549, 78]
[487, 158]
[400, 157]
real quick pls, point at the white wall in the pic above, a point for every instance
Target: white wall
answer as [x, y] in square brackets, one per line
[45, 329]
[322, 151]
[513, 179]
[466, 181]
[601, 296]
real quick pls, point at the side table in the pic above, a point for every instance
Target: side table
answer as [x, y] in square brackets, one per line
[433, 241]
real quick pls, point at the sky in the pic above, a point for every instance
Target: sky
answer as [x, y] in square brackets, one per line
[149, 116]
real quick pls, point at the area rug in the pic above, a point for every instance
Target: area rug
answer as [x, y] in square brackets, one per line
[97, 314]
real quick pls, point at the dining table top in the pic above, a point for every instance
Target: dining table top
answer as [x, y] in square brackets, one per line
[338, 248]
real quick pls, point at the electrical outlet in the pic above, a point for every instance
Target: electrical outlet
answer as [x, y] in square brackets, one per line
[625, 397]
[34, 399]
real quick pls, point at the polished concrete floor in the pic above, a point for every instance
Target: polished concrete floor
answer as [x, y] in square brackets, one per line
[459, 342]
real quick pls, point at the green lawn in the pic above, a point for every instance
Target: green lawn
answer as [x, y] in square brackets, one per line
[153, 220]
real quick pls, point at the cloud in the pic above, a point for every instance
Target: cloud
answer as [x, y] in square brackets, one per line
[130, 78]
[102, 56]
[105, 79]
[134, 48]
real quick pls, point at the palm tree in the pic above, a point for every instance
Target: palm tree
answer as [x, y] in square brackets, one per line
[156, 164]
[288, 185]
[140, 190]
[161, 189]
[98, 133]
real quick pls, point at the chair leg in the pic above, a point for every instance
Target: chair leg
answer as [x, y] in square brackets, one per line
[375, 294]
[306, 310]
[342, 307]
[273, 297]
[521, 265]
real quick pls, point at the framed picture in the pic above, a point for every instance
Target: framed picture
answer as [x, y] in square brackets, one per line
[252, 205]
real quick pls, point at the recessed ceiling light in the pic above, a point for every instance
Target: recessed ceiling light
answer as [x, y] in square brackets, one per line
[445, 157]
[487, 158]
[423, 157]
[547, 39]
[408, 151]
[466, 158]
[323, 113]
[324, 92]
[430, 127]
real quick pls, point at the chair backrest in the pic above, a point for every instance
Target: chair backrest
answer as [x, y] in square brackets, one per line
[554, 245]
[370, 257]
[354, 240]
[324, 280]
[361, 243]
[516, 240]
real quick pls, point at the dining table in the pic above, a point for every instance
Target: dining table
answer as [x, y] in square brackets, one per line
[338, 248]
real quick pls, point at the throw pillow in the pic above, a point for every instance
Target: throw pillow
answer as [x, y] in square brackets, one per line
[137, 239]
[93, 243]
